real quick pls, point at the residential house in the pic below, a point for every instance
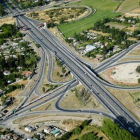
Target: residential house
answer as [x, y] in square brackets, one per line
[47, 130]
[55, 131]
[27, 74]
[89, 48]
[28, 129]
[6, 72]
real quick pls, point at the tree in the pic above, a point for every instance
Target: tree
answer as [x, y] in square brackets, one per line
[90, 136]
[58, 74]
[3, 99]
[85, 123]
[139, 80]
[77, 130]
[114, 132]
[1, 10]
[138, 69]
[43, 88]
[63, 70]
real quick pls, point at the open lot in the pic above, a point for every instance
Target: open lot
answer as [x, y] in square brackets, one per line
[104, 9]
[125, 73]
[8, 20]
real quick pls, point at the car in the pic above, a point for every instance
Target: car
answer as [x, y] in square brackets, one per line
[91, 90]
[130, 129]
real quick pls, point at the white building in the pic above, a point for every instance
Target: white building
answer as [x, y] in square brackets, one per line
[29, 139]
[89, 48]
[47, 130]
[57, 134]
[6, 72]
[28, 129]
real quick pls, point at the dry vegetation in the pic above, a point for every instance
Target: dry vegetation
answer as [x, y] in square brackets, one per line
[60, 73]
[47, 106]
[125, 97]
[79, 97]
[8, 20]
[58, 15]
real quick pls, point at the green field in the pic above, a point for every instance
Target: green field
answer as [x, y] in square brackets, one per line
[105, 8]
[128, 5]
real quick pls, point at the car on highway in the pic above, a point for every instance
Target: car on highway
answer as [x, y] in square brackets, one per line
[131, 129]
[100, 113]
[91, 90]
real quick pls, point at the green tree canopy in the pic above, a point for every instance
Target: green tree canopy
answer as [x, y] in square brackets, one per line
[138, 69]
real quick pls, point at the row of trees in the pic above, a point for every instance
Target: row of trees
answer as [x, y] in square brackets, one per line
[90, 136]
[114, 132]
[109, 128]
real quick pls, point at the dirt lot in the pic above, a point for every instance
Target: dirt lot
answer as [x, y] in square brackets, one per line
[116, 25]
[132, 29]
[8, 20]
[125, 73]
[99, 32]
[136, 11]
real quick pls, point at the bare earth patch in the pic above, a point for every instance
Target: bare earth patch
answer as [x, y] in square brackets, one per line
[126, 73]
[8, 20]
[132, 15]
[99, 32]
[116, 25]
[136, 11]
[133, 28]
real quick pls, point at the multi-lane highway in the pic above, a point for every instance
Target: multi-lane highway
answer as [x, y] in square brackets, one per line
[82, 72]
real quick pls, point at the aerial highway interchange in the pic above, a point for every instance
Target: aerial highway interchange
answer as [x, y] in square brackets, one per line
[82, 73]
